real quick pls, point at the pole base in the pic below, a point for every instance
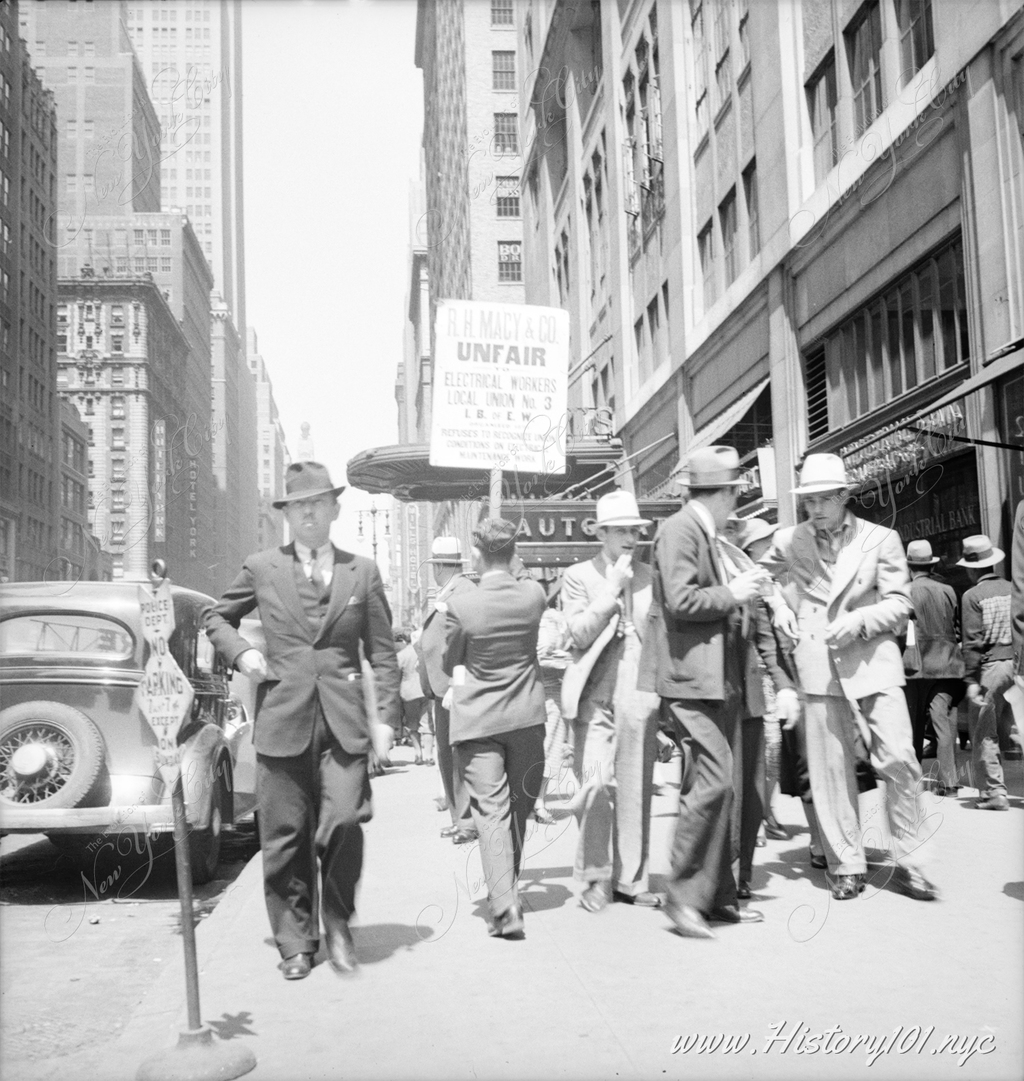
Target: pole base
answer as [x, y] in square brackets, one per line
[198, 1057]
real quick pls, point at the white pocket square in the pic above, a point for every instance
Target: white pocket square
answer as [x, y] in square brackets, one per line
[353, 600]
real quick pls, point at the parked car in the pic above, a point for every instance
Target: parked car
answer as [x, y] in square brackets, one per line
[76, 753]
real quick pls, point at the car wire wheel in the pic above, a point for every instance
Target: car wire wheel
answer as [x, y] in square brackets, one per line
[51, 755]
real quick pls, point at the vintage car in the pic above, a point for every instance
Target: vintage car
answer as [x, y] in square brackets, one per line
[77, 754]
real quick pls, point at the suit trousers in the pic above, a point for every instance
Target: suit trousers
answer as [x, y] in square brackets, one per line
[310, 807]
[996, 680]
[701, 856]
[932, 699]
[503, 774]
[748, 785]
[831, 756]
[455, 790]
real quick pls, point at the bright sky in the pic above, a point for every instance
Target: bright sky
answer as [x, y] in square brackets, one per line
[333, 114]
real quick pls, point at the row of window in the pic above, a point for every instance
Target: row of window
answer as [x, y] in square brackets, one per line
[722, 248]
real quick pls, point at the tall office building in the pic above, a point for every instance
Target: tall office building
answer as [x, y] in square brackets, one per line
[191, 54]
[271, 447]
[30, 426]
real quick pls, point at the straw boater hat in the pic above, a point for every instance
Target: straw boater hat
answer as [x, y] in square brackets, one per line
[619, 508]
[979, 551]
[821, 473]
[306, 480]
[712, 467]
[919, 554]
[446, 550]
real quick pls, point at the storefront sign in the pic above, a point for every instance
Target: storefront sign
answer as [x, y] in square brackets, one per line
[902, 450]
[556, 522]
[159, 481]
[500, 387]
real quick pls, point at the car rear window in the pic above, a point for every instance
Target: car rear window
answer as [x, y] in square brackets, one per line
[70, 635]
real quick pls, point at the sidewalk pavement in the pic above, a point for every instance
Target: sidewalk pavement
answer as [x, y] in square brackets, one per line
[618, 994]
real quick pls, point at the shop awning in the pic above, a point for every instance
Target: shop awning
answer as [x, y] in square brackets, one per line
[715, 429]
[1003, 366]
[404, 471]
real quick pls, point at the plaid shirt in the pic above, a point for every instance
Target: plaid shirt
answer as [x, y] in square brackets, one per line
[985, 619]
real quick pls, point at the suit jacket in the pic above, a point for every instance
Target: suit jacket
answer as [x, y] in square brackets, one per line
[492, 631]
[935, 632]
[432, 642]
[1017, 583]
[308, 663]
[693, 620]
[870, 576]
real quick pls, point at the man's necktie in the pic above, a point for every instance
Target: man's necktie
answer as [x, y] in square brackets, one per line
[733, 562]
[314, 573]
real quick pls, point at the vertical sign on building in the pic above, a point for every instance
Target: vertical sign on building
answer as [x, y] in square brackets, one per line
[500, 387]
[159, 481]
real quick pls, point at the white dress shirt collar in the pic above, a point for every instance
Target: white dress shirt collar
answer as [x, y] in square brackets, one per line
[706, 518]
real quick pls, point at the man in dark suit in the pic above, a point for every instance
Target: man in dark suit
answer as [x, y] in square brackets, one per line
[695, 655]
[446, 559]
[318, 605]
[933, 663]
[497, 711]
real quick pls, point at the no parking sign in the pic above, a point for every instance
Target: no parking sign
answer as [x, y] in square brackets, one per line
[164, 696]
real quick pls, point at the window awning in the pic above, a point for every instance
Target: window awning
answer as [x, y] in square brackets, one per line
[1003, 366]
[715, 429]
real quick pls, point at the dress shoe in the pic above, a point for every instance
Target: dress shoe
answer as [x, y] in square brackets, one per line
[647, 899]
[914, 884]
[846, 887]
[818, 862]
[509, 924]
[997, 802]
[949, 790]
[743, 890]
[688, 922]
[449, 831]
[296, 967]
[775, 831]
[596, 896]
[463, 837]
[341, 950]
[735, 914]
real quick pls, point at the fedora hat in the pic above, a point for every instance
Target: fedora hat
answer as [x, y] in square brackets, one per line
[821, 473]
[619, 508]
[755, 529]
[445, 550]
[306, 480]
[712, 467]
[919, 554]
[979, 551]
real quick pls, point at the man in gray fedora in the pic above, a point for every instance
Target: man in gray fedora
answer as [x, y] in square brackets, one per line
[318, 606]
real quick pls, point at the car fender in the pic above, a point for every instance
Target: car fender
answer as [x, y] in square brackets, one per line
[205, 757]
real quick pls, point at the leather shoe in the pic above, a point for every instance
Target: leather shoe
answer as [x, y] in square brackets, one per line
[296, 967]
[914, 884]
[818, 862]
[998, 802]
[846, 887]
[775, 831]
[596, 896]
[449, 831]
[509, 924]
[341, 950]
[743, 891]
[463, 837]
[647, 899]
[688, 922]
[735, 914]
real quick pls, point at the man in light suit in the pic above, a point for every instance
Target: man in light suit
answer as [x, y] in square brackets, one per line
[933, 664]
[847, 582]
[605, 602]
[317, 605]
[446, 559]
[497, 712]
[696, 655]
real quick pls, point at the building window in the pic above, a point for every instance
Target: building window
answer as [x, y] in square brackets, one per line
[506, 133]
[507, 195]
[117, 376]
[905, 336]
[117, 343]
[727, 220]
[700, 70]
[117, 408]
[753, 217]
[503, 70]
[863, 47]
[165, 265]
[743, 13]
[510, 261]
[821, 104]
[502, 13]
[917, 40]
[116, 438]
[165, 238]
[706, 253]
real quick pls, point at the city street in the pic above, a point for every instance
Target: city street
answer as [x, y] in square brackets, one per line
[917, 993]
